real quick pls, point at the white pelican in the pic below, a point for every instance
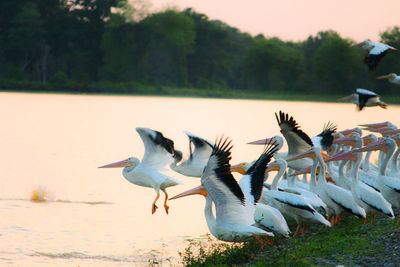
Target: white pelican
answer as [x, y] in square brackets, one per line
[393, 78]
[388, 186]
[364, 98]
[158, 153]
[336, 198]
[376, 51]
[234, 204]
[365, 176]
[290, 205]
[198, 158]
[298, 141]
[366, 197]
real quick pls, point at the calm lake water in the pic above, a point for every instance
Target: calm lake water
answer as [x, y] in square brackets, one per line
[94, 217]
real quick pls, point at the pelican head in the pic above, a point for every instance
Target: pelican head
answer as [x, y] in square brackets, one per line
[277, 165]
[350, 140]
[369, 139]
[241, 167]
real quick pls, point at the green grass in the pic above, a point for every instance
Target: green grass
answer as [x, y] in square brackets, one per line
[345, 244]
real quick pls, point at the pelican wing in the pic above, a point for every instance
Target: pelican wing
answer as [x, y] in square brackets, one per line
[363, 97]
[221, 186]
[362, 91]
[344, 199]
[379, 48]
[297, 140]
[159, 150]
[290, 199]
[325, 138]
[252, 182]
[375, 55]
[202, 148]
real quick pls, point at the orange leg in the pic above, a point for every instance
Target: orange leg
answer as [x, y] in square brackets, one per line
[297, 230]
[258, 239]
[333, 220]
[154, 207]
[372, 218]
[303, 230]
[166, 207]
[366, 219]
[340, 218]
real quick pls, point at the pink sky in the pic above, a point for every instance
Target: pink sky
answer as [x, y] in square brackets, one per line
[297, 19]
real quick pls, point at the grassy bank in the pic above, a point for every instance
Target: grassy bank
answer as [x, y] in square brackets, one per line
[148, 90]
[350, 244]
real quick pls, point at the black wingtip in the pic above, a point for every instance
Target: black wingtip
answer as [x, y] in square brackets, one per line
[257, 170]
[284, 118]
[222, 151]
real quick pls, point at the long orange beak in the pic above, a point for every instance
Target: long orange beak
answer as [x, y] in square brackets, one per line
[380, 130]
[238, 168]
[346, 98]
[347, 141]
[358, 44]
[348, 155]
[200, 190]
[307, 154]
[384, 77]
[375, 125]
[119, 164]
[261, 141]
[302, 171]
[396, 131]
[378, 145]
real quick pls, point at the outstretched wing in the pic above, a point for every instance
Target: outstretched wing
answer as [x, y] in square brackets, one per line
[221, 186]
[202, 148]
[252, 182]
[363, 97]
[159, 150]
[297, 140]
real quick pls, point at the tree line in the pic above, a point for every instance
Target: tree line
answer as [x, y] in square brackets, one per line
[78, 42]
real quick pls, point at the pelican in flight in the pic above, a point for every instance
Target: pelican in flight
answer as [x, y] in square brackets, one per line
[364, 98]
[298, 141]
[159, 152]
[376, 51]
[234, 203]
[393, 78]
[198, 158]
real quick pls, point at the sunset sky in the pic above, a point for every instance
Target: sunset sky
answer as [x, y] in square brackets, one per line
[297, 19]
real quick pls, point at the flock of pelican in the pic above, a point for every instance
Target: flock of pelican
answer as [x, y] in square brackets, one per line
[342, 181]
[375, 53]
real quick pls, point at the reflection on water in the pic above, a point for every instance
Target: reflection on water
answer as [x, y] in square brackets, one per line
[54, 144]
